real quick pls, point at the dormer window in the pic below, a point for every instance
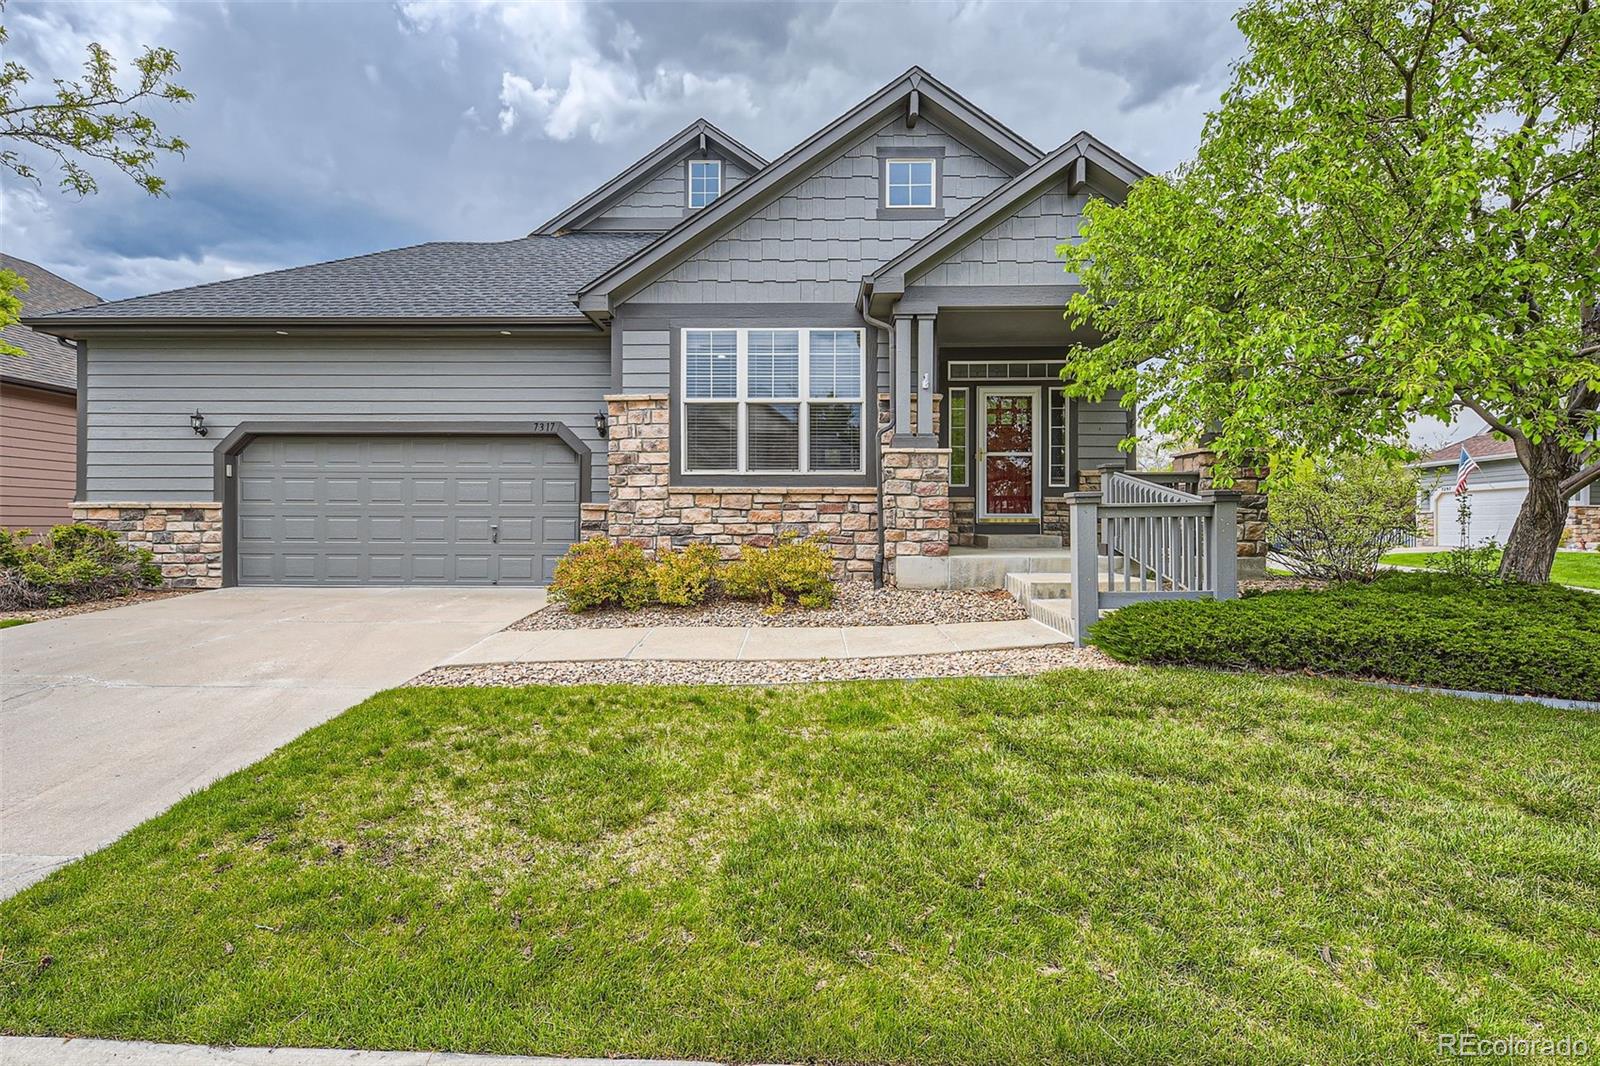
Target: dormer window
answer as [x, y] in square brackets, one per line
[705, 181]
[910, 183]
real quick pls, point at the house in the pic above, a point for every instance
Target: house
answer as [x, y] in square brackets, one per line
[38, 407]
[1495, 492]
[709, 346]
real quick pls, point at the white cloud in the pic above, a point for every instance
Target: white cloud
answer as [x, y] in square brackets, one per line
[569, 75]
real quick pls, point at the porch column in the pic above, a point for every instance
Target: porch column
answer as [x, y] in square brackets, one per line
[913, 376]
[902, 383]
[925, 374]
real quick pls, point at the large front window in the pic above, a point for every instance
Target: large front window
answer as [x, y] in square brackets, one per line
[773, 401]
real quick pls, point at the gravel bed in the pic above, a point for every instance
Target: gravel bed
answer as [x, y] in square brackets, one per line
[1015, 662]
[1279, 583]
[39, 614]
[857, 603]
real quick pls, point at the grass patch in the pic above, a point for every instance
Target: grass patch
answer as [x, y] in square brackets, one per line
[7, 623]
[1417, 628]
[1571, 567]
[1124, 866]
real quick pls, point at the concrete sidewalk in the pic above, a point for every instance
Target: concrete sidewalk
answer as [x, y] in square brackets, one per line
[753, 643]
[53, 1051]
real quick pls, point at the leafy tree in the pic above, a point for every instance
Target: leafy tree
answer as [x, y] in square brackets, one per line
[1394, 212]
[1334, 518]
[81, 123]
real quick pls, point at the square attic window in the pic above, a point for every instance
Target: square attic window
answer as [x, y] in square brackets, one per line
[909, 183]
[705, 181]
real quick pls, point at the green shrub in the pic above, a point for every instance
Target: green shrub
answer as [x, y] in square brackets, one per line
[70, 564]
[792, 569]
[1332, 519]
[1416, 628]
[598, 573]
[684, 578]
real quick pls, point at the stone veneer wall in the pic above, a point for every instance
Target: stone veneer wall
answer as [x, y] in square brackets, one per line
[1583, 525]
[1248, 483]
[916, 502]
[185, 538]
[646, 509]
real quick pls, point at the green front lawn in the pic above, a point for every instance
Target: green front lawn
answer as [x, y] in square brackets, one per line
[1571, 568]
[1128, 866]
[7, 623]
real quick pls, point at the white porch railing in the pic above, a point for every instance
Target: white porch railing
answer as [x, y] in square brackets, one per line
[1140, 540]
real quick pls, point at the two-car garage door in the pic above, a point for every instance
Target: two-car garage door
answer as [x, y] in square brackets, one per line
[404, 510]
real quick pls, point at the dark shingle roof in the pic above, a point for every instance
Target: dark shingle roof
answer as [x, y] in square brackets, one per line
[1483, 445]
[48, 362]
[529, 278]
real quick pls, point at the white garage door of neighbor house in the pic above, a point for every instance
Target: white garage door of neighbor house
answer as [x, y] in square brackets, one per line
[1491, 514]
[401, 510]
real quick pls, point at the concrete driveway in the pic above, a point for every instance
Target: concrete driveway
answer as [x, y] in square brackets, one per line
[111, 717]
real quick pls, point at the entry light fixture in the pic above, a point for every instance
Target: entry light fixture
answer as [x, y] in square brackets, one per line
[281, 332]
[197, 422]
[602, 423]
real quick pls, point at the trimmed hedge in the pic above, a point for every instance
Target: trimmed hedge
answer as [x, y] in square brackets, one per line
[1419, 629]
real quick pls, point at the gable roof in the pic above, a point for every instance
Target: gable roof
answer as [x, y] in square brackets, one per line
[529, 281]
[696, 134]
[1072, 160]
[1483, 445]
[916, 87]
[49, 363]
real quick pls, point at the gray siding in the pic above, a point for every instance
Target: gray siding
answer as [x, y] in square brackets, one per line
[1491, 473]
[646, 360]
[816, 241]
[662, 199]
[1101, 425]
[141, 392]
[1019, 249]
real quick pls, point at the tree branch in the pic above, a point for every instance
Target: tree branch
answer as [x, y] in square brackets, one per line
[1484, 413]
[1571, 486]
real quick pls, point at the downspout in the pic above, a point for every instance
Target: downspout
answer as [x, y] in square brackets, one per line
[865, 303]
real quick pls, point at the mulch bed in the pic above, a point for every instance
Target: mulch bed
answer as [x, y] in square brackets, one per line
[39, 614]
[1013, 662]
[857, 603]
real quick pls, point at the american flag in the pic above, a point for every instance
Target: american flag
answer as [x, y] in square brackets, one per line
[1465, 465]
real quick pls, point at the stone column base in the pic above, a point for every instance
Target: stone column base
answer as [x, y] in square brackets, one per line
[185, 538]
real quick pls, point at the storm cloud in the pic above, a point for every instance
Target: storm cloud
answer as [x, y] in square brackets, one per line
[325, 130]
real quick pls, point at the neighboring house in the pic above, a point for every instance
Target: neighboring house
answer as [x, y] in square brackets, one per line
[1495, 492]
[707, 347]
[38, 407]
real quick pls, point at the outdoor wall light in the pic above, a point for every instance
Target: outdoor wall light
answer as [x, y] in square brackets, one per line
[602, 423]
[197, 422]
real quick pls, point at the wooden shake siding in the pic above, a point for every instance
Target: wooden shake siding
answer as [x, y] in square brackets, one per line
[38, 457]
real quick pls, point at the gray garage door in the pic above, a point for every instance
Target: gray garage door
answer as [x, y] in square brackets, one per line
[389, 510]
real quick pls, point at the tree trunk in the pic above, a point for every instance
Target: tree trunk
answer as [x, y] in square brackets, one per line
[1530, 550]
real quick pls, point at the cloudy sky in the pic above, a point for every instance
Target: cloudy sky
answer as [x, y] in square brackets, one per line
[321, 130]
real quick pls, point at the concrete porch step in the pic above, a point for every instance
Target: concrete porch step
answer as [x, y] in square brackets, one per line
[1014, 541]
[1055, 612]
[986, 568]
[1025, 588]
[1046, 596]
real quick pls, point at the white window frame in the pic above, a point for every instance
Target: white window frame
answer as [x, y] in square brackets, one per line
[742, 400]
[959, 400]
[688, 182]
[933, 183]
[1066, 437]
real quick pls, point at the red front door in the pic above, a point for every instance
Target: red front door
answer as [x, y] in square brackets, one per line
[1009, 465]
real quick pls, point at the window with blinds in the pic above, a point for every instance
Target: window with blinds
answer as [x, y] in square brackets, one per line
[773, 401]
